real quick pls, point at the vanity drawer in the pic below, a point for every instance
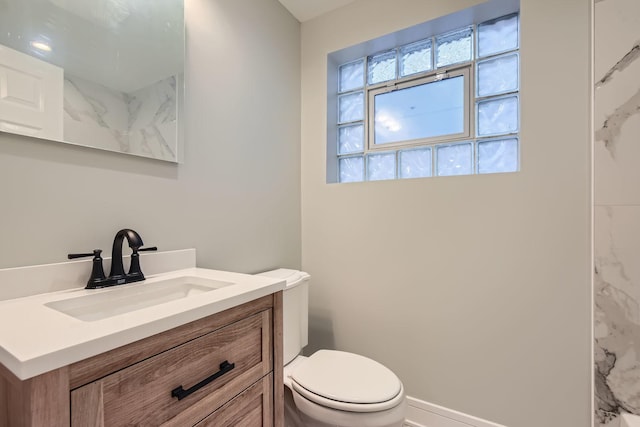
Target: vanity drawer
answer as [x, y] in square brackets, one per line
[252, 408]
[141, 394]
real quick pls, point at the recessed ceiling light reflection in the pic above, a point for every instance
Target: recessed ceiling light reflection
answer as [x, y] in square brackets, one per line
[41, 46]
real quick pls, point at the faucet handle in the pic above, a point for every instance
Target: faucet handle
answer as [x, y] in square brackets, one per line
[97, 272]
[96, 253]
[135, 273]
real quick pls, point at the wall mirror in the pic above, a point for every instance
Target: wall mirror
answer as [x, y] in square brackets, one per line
[106, 74]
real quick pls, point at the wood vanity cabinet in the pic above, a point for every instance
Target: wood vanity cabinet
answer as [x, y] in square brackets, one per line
[222, 370]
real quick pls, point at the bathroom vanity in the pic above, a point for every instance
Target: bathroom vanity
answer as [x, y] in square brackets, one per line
[209, 359]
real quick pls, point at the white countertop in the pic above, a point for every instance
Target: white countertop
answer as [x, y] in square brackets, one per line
[35, 339]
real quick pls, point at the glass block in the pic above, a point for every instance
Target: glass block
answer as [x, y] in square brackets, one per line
[352, 76]
[415, 163]
[498, 35]
[382, 67]
[381, 166]
[415, 58]
[351, 169]
[351, 107]
[498, 156]
[351, 139]
[498, 116]
[454, 47]
[421, 111]
[498, 75]
[455, 159]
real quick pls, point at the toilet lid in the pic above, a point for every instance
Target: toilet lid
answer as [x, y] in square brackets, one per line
[347, 378]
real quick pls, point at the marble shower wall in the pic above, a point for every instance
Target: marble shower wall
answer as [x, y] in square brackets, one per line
[141, 122]
[617, 209]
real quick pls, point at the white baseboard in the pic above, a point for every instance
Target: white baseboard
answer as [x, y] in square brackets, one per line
[425, 414]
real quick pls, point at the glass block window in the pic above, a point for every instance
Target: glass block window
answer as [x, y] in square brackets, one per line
[416, 58]
[382, 67]
[498, 75]
[498, 156]
[381, 166]
[351, 169]
[455, 159]
[352, 76]
[351, 107]
[454, 47]
[497, 116]
[351, 139]
[498, 35]
[443, 105]
[415, 163]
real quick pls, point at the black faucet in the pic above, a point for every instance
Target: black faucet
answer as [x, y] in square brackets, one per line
[117, 269]
[117, 275]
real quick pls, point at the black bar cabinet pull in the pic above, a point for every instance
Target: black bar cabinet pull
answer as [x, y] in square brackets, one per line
[181, 393]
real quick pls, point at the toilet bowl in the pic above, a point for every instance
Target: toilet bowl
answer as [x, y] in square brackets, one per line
[336, 388]
[331, 388]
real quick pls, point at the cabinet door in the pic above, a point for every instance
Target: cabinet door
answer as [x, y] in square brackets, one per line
[251, 408]
[144, 394]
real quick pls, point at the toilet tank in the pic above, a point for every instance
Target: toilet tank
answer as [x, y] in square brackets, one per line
[295, 310]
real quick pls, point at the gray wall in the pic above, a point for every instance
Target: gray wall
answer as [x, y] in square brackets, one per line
[474, 289]
[236, 197]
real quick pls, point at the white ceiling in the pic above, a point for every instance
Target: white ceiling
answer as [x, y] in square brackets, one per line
[305, 10]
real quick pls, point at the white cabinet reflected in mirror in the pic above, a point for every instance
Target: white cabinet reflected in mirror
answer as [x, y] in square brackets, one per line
[106, 74]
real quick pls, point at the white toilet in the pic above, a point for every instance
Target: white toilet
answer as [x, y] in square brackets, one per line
[331, 388]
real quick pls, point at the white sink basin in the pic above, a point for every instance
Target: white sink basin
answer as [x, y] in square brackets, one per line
[131, 297]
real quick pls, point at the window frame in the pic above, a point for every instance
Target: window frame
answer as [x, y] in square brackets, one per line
[464, 70]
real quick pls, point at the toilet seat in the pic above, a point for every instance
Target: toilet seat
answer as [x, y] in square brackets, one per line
[347, 382]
